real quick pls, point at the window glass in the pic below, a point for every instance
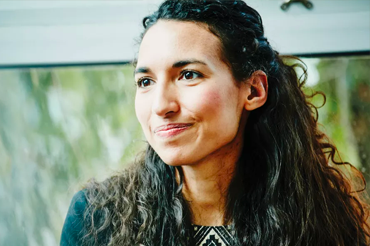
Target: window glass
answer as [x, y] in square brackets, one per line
[58, 128]
[61, 126]
[345, 117]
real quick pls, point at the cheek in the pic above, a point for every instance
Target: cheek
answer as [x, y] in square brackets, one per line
[213, 97]
[208, 103]
[140, 110]
[212, 101]
[217, 108]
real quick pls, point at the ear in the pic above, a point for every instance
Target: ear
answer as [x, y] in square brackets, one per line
[257, 91]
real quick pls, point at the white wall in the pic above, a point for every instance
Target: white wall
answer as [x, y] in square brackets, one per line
[74, 32]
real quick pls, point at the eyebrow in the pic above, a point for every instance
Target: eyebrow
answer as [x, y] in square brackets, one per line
[142, 70]
[175, 65]
[187, 62]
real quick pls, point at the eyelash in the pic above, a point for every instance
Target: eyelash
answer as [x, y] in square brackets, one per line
[198, 75]
[140, 82]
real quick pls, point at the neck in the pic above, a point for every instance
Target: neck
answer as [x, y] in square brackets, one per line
[206, 184]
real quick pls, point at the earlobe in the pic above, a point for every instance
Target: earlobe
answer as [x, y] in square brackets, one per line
[257, 91]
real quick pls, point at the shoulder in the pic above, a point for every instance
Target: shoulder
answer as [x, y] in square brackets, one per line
[74, 226]
[89, 217]
[78, 222]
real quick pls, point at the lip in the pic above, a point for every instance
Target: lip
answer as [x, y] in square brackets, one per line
[170, 130]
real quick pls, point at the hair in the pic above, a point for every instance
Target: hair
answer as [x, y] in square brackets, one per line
[288, 189]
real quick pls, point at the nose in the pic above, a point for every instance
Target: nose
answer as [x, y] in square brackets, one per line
[165, 101]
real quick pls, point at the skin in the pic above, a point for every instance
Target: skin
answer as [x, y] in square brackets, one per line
[182, 79]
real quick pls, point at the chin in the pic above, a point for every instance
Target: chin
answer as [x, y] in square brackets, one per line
[175, 159]
[176, 154]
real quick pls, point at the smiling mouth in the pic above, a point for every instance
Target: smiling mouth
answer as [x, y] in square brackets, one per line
[171, 130]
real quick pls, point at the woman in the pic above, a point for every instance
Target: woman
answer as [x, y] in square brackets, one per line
[234, 153]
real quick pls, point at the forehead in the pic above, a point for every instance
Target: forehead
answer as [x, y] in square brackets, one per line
[169, 41]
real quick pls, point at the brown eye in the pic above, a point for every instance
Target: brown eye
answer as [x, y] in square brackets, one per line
[144, 82]
[189, 75]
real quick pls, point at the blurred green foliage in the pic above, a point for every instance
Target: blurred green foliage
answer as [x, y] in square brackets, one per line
[345, 117]
[61, 126]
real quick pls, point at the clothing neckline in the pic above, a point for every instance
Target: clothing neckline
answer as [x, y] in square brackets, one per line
[222, 235]
[211, 226]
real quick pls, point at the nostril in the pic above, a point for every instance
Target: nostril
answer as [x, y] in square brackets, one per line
[165, 106]
[166, 109]
[165, 101]
[170, 112]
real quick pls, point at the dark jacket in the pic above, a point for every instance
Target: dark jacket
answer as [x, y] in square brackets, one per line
[75, 229]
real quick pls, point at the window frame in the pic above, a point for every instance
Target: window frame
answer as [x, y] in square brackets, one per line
[64, 33]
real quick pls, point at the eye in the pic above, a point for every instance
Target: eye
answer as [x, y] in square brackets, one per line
[189, 75]
[144, 82]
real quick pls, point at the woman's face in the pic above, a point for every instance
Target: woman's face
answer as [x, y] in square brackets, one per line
[187, 101]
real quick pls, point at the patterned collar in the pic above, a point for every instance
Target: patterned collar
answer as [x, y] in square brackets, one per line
[213, 235]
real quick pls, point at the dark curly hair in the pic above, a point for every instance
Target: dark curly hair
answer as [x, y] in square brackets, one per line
[288, 189]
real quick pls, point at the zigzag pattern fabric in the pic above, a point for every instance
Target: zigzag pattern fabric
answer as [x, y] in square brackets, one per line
[213, 235]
